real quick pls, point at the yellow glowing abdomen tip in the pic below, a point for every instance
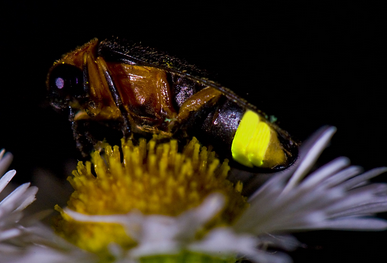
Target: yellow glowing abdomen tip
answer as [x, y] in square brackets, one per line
[256, 144]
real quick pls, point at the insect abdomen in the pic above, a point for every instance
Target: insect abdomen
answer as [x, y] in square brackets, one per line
[240, 132]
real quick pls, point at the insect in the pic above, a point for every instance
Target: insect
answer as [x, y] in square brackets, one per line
[115, 86]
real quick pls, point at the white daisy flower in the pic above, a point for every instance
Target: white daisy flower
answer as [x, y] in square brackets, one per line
[42, 245]
[179, 207]
[12, 206]
[25, 239]
[334, 196]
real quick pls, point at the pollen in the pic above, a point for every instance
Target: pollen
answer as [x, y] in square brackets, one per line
[150, 177]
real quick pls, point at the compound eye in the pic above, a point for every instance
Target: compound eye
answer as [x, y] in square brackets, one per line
[66, 81]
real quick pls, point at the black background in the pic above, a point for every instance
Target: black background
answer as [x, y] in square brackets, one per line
[309, 64]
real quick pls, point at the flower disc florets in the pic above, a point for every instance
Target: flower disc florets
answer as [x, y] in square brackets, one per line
[152, 178]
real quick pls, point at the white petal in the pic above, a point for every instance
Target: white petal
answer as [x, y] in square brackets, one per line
[364, 177]
[149, 248]
[377, 204]
[350, 223]
[286, 242]
[342, 176]
[189, 222]
[29, 197]
[41, 254]
[325, 172]
[4, 181]
[158, 234]
[5, 161]
[21, 196]
[42, 245]
[7, 234]
[222, 241]
[324, 198]
[310, 158]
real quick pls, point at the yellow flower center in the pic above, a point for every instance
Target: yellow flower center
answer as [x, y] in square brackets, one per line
[152, 178]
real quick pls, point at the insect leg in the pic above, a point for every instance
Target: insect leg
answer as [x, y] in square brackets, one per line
[116, 97]
[205, 97]
[77, 135]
